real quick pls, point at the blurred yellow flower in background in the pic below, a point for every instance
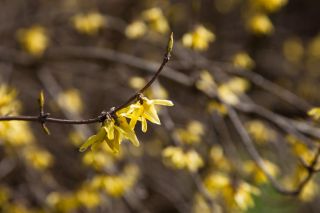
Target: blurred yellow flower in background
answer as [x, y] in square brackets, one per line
[314, 113]
[219, 160]
[243, 61]
[116, 185]
[156, 20]
[230, 91]
[71, 101]
[199, 39]
[191, 134]
[89, 23]
[271, 5]
[243, 196]
[88, 198]
[38, 158]
[34, 39]
[136, 29]
[260, 24]
[251, 169]
[214, 106]
[260, 132]
[206, 82]
[175, 157]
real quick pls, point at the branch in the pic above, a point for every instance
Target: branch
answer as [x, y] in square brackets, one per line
[249, 146]
[44, 117]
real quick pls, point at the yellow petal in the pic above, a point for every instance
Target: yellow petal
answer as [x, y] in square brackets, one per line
[91, 140]
[144, 125]
[162, 102]
[128, 132]
[135, 116]
[152, 115]
[94, 139]
[110, 130]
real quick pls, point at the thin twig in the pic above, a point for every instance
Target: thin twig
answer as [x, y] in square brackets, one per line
[249, 146]
[103, 116]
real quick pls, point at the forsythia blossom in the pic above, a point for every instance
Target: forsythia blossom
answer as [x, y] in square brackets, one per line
[89, 23]
[199, 39]
[314, 113]
[115, 129]
[34, 40]
[260, 24]
[192, 134]
[243, 61]
[175, 157]
[144, 110]
[152, 19]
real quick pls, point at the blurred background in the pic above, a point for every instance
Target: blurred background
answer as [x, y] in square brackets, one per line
[243, 75]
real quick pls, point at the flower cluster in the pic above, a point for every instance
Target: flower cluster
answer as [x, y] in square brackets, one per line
[260, 132]
[199, 39]
[237, 196]
[116, 128]
[176, 157]
[89, 23]
[153, 19]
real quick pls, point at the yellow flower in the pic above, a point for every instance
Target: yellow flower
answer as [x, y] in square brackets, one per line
[309, 191]
[200, 205]
[61, 202]
[8, 102]
[215, 183]
[314, 113]
[243, 60]
[116, 185]
[145, 110]
[253, 170]
[300, 149]
[34, 40]
[88, 198]
[70, 100]
[39, 159]
[218, 159]
[199, 39]
[112, 134]
[260, 132]
[230, 90]
[89, 23]
[16, 133]
[214, 106]
[243, 196]
[271, 5]
[136, 29]
[156, 20]
[97, 159]
[175, 157]
[260, 24]
[206, 83]
[193, 161]
[192, 134]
